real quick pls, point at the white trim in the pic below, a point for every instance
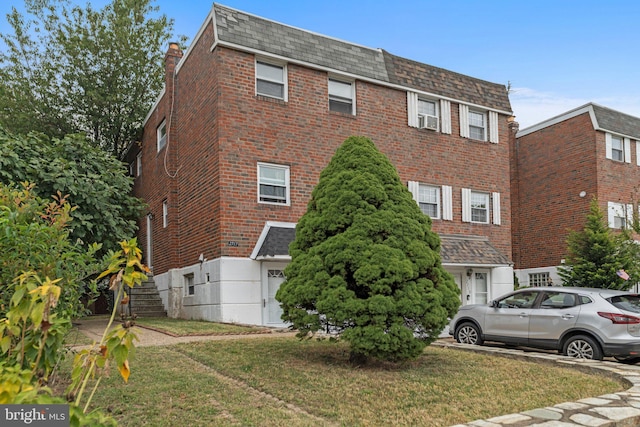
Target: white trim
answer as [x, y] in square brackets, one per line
[493, 127]
[464, 121]
[561, 118]
[447, 203]
[154, 106]
[414, 188]
[627, 150]
[466, 205]
[608, 146]
[445, 116]
[495, 201]
[637, 152]
[210, 17]
[412, 109]
[263, 236]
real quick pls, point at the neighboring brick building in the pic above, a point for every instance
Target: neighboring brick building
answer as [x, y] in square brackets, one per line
[558, 167]
[249, 117]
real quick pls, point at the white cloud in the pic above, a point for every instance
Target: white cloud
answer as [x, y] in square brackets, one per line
[531, 106]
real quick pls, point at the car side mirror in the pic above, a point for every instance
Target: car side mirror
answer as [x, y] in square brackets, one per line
[494, 304]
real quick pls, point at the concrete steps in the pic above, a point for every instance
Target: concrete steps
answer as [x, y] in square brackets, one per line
[145, 301]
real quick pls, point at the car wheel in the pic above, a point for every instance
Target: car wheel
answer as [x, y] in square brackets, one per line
[627, 360]
[468, 333]
[582, 347]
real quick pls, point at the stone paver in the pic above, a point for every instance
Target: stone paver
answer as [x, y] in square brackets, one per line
[610, 410]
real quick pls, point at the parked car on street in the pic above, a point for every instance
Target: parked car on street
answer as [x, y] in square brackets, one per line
[585, 323]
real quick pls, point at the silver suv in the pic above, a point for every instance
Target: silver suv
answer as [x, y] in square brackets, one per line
[579, 322]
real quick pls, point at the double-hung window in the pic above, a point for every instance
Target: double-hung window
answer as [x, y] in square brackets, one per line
[271, 80]
[273, 184]
[429, 200]
[340, 96]
[161, 135]
[480, 207]
[427, 114]
[618, 148]
[477, 125]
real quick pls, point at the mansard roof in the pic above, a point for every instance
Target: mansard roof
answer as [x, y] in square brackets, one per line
[243, 31]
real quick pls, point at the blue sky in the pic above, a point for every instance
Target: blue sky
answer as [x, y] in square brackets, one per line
[557, 55]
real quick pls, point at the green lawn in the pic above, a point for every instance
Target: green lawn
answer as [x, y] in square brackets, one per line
[183, 327]
[281, 381]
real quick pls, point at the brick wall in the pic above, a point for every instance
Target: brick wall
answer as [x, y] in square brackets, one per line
[551, 167]
[224, 129]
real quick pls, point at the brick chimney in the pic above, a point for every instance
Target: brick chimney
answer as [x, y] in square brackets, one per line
[171, 59]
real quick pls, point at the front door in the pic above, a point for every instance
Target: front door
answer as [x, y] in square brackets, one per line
[273, 276]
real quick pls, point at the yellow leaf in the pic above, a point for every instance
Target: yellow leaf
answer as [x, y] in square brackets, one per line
[124, 370]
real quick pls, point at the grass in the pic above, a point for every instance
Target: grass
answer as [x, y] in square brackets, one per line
[285, 382]
[181, 327]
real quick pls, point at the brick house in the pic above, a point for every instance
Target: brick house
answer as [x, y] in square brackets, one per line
[250, 115]
[558, 167]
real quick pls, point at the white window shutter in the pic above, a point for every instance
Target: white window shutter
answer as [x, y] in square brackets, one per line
[496, 208]
[607, 138]
[466, 205]
[412, 109]
[611, 213]
[638, 153]
[447, 203]
[464, 121]
[627, 150]
[414, 188]
[445, 116]
[493, 127]
[629, 215]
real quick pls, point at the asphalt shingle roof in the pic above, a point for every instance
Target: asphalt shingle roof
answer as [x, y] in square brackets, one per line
[276, 243]
[463, 250]
[251, 32]
[616, 121]
[470, 250]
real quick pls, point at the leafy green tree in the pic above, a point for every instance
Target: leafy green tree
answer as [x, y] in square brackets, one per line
[35, 238]
[596, 254]
[365, 262]
[96, 183]
[70, 69]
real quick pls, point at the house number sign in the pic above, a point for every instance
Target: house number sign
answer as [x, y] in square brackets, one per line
[232, 243]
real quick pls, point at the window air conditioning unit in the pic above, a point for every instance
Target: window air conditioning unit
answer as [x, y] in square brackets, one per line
[428, 122]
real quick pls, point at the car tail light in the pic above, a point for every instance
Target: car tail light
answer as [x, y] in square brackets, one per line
[621, 319]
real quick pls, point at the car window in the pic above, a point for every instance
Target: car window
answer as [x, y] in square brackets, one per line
[558, 300]
[518, 300]
[626, 302]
